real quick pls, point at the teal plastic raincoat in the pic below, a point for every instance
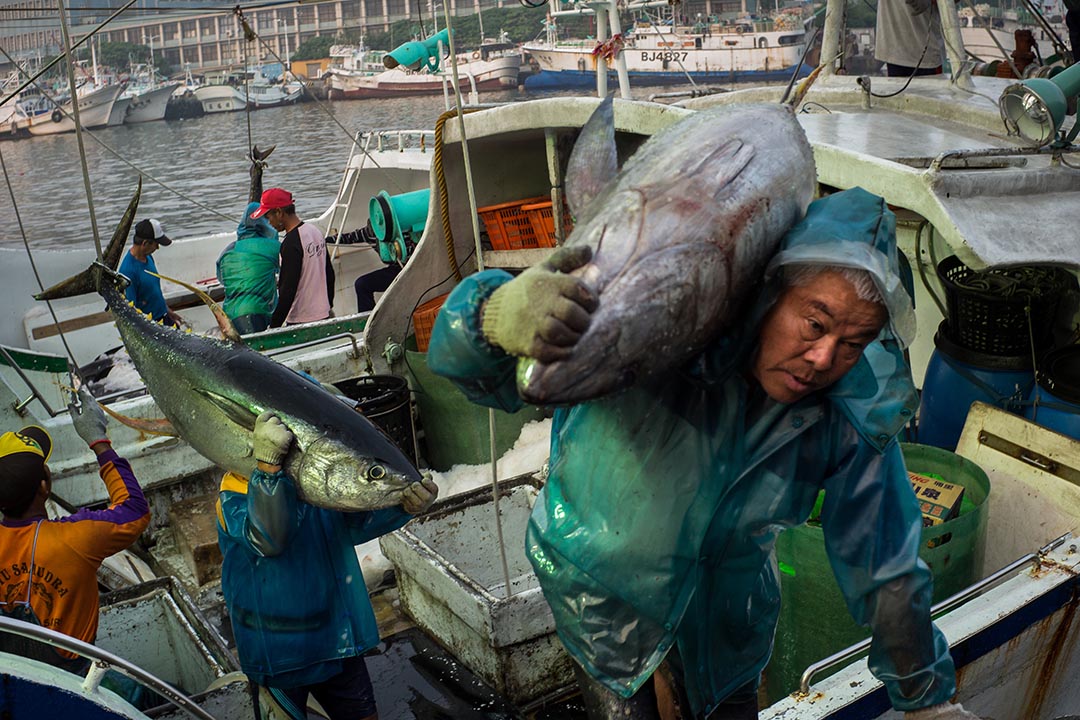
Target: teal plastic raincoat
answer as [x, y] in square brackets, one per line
[248, 268]
[663, 503]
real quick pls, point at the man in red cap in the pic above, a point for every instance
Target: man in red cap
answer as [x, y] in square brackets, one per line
[49, 573]
[306, 282]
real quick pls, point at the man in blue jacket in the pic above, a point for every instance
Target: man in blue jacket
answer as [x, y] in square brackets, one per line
[300, 611]
[653, 536]
[144, 290]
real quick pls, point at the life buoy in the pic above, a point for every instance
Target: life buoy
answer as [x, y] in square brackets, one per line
[739, 29]
[476, 55]
[57, 116]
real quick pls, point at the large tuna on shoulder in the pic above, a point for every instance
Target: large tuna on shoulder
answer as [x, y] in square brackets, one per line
[678, 235]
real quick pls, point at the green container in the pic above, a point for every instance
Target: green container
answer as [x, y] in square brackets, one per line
[814, 620]
[455, 429]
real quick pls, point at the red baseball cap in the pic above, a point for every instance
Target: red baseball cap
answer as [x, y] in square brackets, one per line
[272, 198]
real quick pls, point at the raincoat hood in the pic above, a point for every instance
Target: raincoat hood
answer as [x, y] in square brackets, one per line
[249, 228]
[853, 229]
[856, 229]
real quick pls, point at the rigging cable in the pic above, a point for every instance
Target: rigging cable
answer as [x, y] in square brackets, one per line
[322, 106]
[33, 265]
[78, 128]
[249, 35]
[471, 190]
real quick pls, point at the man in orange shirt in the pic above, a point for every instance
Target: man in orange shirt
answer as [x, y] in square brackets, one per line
[48, 568]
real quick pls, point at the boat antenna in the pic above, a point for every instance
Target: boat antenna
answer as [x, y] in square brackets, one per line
[78, 126]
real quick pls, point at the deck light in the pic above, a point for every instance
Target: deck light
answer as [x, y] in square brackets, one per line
[417, 54]
[1036, 107]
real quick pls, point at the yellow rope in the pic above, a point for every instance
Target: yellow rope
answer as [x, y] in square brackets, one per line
[444, 199]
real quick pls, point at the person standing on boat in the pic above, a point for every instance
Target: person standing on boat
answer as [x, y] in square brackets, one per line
[144, 290]
[247, 268]
[48, 571]
[908, 37]
[653, 536]
[306, 284]
[292, 583]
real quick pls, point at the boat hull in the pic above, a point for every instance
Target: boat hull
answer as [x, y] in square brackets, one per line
[220, 98]
[499, 73]
[150, 106]
[562, 79]
[94, 111]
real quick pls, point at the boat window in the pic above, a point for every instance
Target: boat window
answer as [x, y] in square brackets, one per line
[762, 42]
[792, 39]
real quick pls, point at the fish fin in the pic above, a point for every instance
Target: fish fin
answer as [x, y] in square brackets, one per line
[150, 426]
[804, 87]
[89, 280]
[257, 156]
[594, 161]
[236, 412]
[223, 321]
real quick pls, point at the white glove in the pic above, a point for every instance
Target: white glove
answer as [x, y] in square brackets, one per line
[419, 496]
[88, 419]
[272, 438]
[944, 711]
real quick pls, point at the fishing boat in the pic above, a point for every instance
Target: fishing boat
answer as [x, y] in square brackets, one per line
[657, 50]
[95, 107]
[147, 99]
[220, 97]
[492, 66]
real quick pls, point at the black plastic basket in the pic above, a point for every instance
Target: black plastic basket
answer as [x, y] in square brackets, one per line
[987, 310]
[387, 402]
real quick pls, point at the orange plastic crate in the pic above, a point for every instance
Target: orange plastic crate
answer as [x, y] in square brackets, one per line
[543, 222]
[423, 319]
[508, 226]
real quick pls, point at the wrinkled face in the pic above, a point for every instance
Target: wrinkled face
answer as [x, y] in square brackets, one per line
[813, 335]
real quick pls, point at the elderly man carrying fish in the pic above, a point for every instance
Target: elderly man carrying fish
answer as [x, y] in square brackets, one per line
[653, 536]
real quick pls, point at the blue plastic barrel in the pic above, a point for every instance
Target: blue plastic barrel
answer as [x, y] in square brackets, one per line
[1055, 401]
[957, 377]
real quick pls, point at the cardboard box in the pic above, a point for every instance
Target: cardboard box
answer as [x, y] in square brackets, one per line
[938, 500]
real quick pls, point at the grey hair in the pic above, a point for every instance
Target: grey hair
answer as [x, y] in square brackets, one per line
[801, 274]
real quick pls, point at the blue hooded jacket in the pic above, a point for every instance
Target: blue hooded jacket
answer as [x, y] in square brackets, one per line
[248, 267]
[663, 503]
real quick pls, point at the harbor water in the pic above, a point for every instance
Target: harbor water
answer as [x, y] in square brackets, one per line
[203, 158]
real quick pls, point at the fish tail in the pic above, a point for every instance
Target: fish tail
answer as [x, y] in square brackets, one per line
[223, 320]
[91, 279]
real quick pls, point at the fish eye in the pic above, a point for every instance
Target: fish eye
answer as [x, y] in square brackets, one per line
[376, 472]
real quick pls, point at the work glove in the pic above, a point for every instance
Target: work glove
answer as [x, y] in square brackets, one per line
[544, 311]
[88, 418]
[419, 496]
[918, 7]
[272, 438]
[944, 711]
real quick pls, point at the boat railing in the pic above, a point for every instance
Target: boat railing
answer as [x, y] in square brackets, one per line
[944, 606]
[35, 394]
[403, 139]
[103, 661]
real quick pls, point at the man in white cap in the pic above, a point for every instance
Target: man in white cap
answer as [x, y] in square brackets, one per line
[144, 290]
